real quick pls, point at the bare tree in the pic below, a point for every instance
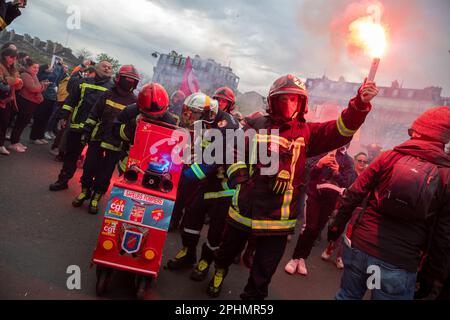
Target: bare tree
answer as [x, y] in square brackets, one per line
[84, 54]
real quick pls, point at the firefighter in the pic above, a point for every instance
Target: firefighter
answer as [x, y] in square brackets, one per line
[78, 106]
[152, 103]
[213, 198]
[104, 149]
[226, 99]
[176, 106]
[265, 203]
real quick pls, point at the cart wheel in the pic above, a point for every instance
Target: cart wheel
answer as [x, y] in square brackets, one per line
[103, 277]
[142, 283]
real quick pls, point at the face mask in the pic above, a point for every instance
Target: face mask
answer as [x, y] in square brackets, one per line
[127, 84]
[286, 107]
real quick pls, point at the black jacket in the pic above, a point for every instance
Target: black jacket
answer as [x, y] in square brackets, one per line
[102, 116]
[8, 12]
[394, 241]
[81, 100]
[320, 177]
[124, 126]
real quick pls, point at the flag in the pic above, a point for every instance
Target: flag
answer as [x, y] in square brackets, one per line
[189, 84]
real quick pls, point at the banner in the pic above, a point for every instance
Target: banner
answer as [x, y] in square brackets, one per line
[189, 84]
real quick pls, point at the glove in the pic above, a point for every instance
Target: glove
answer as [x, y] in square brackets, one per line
[282, 182]
[85, 137]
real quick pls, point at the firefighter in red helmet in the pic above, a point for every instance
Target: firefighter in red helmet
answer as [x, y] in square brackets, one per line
[104, 149]
[265, 201]
[225, 97]
[152, 103]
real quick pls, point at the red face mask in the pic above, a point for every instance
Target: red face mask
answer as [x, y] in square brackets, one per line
[286, 106]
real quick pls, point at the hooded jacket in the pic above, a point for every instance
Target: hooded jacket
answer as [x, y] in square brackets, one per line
[395, 241]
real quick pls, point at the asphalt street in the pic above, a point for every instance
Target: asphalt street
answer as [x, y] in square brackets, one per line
[41, 235]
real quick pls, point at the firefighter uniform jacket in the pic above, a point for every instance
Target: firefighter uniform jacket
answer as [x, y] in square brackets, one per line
[255, 206]
[124, 128]
[224, 122]
[81, 100]
[102, 116]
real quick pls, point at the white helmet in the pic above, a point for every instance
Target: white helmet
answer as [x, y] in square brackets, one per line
[199, 106]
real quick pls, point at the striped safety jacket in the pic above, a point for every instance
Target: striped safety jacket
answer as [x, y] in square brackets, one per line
[255, 206]
[82, 98]
[100, 121]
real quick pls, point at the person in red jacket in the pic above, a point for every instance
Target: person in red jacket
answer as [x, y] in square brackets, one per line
[390, 238]
[265, 203]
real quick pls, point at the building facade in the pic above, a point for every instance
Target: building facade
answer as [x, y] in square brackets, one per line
[210, 74]
[394, 109]
[41, 51]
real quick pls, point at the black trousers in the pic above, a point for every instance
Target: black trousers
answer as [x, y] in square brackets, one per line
[187, 193]
[26, 111]
[268, 254]
[5, 116]
[193, 222]
[74, 148]
[98, 167]
[40, 119]
[318, 211]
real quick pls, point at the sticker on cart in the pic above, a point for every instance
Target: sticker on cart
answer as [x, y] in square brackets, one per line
[157, 214]
[143, 197]
[131, 241]
[109, 228]
[117, 207]
[137, 213]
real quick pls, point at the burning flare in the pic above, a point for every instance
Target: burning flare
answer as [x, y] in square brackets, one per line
[368, 35]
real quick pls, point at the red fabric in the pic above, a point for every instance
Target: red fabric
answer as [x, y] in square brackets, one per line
[189, 85]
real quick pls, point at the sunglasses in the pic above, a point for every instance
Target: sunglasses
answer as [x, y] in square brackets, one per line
[363, 161]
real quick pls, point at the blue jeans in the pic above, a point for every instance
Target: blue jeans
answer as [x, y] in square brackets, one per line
[362, 272]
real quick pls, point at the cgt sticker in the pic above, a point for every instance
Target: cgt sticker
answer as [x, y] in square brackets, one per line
[157, 214]
[109, 228]
[117, 207]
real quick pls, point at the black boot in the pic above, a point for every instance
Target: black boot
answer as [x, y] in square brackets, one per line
[93, 205]
[59, 185]
[185, 258]
[83, 196]
[216, 283]
[200, 272]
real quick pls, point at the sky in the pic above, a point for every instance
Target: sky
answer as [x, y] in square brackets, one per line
[260, 39]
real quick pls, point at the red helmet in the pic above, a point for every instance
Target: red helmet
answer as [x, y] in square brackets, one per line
[226, 94]
[153, 99]
[289, 84]
[125, 73]
[129, 71]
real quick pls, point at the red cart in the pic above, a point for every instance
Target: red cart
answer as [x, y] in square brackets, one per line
[140, 206]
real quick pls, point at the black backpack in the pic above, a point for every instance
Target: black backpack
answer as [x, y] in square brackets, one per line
[411, 189]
